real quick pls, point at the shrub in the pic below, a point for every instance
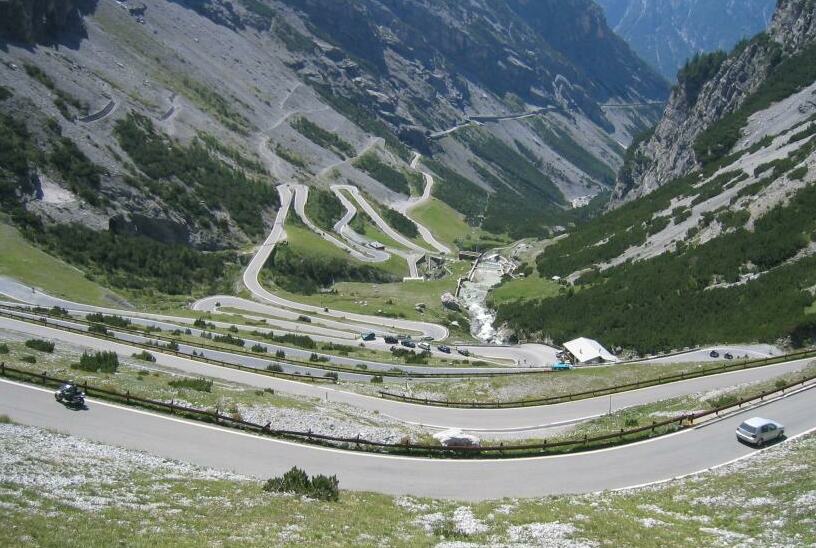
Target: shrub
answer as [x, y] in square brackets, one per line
[200, 323]
[228, 339]
[146, 356]
[102, 362]
[316, 358]
[332, 375]
[233, 329]
[41, 345]
[274, 367]
[199, 385]
[115, 321]
[259, 348]
[4, 349]
[296, 481]
[377, 379]
[280, 354]
[28, 359]
[96, 328]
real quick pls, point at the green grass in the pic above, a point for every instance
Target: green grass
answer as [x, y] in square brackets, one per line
[393, 299]
[811, 309]
[310, 244]
[532, 287]
[147, 380]
[511, 388]
[444, 222]
[28, 264]
[768, 499]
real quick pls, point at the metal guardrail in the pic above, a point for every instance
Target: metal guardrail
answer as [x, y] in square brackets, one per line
[652, 430]
[551, 400]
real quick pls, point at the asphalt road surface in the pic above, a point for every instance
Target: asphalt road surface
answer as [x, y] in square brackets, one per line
[654, 460]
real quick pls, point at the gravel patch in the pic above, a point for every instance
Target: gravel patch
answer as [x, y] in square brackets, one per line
[554, 534]
[68, 470]
[332, 419]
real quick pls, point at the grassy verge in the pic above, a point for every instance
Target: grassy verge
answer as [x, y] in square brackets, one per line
[393, 299]
[766, 500]
[147, 380]
[23, 261]
[444, 222]
[533, 286]
[510, 388]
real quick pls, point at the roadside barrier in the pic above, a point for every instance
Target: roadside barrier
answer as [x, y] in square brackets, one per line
[551, 400]
[653, 430]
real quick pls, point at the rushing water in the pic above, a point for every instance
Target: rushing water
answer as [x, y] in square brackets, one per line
[473, 297]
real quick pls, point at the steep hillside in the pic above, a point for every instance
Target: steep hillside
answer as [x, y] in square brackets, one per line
[668, 33]
[724, 250]
[732, 88]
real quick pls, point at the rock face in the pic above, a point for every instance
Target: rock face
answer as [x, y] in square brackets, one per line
[32, 21]
[668, 32]
[668, 152]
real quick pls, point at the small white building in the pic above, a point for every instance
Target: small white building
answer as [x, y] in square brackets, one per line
[586, 351]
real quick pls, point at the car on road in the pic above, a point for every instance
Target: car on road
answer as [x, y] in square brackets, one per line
[408, 343]
[463, 351]
[562, 366]
[368, 336]
[728, 356]
[714, 354]
[425, 346]
[758, 431]
[390, 339]
[443, 348]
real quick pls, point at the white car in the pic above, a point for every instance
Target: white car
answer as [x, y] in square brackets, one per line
[758, 431]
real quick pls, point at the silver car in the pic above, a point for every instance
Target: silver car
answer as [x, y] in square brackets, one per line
[758, 431]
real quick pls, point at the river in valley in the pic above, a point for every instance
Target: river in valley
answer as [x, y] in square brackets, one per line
[473, 297]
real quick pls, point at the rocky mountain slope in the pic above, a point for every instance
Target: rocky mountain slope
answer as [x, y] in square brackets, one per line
[714, 88]
[713, 237]
[258, 92]
[666, 33]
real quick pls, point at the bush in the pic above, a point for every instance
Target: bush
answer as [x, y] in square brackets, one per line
[280, 354]
[96, 328]
[145, 356]
[200, 323]
[317, 358]
[228, 339]
[28, 359]
[259, 348]
[332, 375]
[377, 379]
[275, 368]
[199, 385]
[4, 349]
[297, 482]
[114, 321]
[99, 362]
[41, 345]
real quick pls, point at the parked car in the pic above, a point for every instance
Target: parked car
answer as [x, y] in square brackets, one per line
[729, 356]
[758, 431]
[562, 366]
[424, 346]
[443, 348]
[408, 343]
[390, 339]
[368, 336]
[714, 354]
[463, 351]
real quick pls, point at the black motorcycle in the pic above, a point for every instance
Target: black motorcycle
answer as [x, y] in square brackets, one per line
[70, 395]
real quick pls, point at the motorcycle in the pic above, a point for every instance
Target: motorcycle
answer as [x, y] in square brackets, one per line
[71, 396]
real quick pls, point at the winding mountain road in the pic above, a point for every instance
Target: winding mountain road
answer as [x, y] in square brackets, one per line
[663, 458]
